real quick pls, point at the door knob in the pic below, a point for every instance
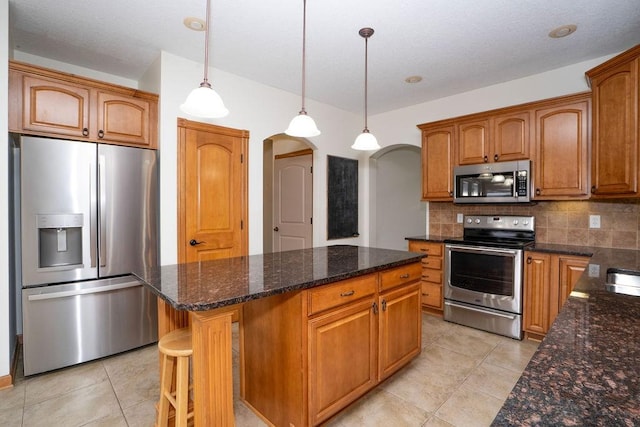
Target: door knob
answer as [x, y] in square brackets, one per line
[276, 229]
[194, 242]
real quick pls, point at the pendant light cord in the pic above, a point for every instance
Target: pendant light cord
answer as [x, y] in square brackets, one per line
[205, 82]
[366, 76]
[304, 51]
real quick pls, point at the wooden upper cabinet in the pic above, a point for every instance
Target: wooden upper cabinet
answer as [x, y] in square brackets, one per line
[55, 107]
[473, 142]
[495, 138]
[616, 108]
[561, 168]
[123, 118]
[437, 162]
[511, 136]
[50, 103]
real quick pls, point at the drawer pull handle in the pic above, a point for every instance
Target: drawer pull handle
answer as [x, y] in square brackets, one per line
[404, 276]
[347, 294]
[426, 295]
[424, 250]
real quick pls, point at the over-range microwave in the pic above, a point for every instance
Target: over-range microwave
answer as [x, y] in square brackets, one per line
[501, 182]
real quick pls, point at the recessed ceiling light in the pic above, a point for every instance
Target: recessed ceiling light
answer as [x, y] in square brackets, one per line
[562, 31]
[195, 24]
[413, 79]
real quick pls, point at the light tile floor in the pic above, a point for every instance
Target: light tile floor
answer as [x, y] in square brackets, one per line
[461, 378]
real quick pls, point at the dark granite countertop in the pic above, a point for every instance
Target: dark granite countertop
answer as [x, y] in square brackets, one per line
[587, 369]
[562, 249]
[213, 284]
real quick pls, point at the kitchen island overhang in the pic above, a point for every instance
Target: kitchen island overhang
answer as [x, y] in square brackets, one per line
[379, 286]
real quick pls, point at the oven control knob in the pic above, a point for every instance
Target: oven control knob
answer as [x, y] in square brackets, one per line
[469, 220]
[515, 222]
[526, 222]
[477, 220]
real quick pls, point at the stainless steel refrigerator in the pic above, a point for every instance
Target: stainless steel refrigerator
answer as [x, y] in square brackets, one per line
[88, 219]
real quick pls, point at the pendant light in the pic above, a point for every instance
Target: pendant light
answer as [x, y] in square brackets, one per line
[203, 101]
[365, 141]
[303, 125]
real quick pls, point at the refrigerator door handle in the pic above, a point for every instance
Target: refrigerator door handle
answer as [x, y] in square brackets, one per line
[71, 293]
[102, 188]
[93, 214]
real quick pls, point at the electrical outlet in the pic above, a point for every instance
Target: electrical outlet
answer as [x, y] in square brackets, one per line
[594, 270]
[460, 218]
[594, 221]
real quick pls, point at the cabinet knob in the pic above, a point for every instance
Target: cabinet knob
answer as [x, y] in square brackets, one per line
[85, 132]
[100, 134]
[496, 157]
[529, 260]
[450, 193]
[276, 229]
[375, 308]
[538, 191]
[594, 189]
[384, 305]
[486, 159]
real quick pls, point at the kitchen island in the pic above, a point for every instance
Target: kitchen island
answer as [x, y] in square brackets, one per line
[587, 369]
[319, 327]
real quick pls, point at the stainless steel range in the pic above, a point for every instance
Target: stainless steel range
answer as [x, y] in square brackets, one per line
[484, 273]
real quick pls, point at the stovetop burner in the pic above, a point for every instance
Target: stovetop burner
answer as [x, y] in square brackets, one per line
[497, 231]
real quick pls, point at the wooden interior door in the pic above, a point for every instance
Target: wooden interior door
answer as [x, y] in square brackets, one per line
[293, 201]
[212, 192]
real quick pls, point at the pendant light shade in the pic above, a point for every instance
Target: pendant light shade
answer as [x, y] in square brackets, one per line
[203, 101]
[303, 125]
[366, 141]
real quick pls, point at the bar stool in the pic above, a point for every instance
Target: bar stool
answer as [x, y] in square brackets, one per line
[176, 350]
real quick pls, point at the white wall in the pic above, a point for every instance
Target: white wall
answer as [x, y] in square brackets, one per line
[5, 338]
[265, 112]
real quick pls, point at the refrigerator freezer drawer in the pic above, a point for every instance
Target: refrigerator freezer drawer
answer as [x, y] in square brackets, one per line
[73, 323]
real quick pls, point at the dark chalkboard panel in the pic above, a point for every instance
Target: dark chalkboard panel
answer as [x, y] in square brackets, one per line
[342, 204]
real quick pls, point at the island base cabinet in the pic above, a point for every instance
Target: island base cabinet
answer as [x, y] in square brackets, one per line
[308, 355]
[342, 358]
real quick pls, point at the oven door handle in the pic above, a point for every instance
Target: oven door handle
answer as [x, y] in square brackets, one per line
[493, 312]
[482, 250]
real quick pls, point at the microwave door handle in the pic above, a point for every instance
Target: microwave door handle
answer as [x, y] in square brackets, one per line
[102, 188]
[93, 213]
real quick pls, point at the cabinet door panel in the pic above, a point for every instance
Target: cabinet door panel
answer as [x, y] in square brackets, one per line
[53, 107]
[571, 269]
[473, 142]
[615, 136]
[123, 119]
[537, 284]
[342, 358]
[432, 295]
[400, 328]
[511, 137]
[437, 163]
[562, 145]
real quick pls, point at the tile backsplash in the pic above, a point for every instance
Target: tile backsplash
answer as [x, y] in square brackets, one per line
[556, 222]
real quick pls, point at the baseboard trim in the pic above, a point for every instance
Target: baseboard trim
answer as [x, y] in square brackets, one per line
[6, 381]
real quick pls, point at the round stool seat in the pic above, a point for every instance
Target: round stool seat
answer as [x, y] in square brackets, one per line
[176, 343]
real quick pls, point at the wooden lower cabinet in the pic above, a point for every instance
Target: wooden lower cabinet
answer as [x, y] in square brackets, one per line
[307, 355]
[432, 274]
[548, 281]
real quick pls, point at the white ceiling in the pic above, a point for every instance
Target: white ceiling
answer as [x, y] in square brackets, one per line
[455, 45]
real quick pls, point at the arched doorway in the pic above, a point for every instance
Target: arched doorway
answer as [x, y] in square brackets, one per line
[395, 208]
[287, 193]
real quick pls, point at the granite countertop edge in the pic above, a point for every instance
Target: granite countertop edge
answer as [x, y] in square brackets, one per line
[410, 257]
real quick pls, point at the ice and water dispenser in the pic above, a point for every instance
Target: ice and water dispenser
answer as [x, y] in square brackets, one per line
[59, 240]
